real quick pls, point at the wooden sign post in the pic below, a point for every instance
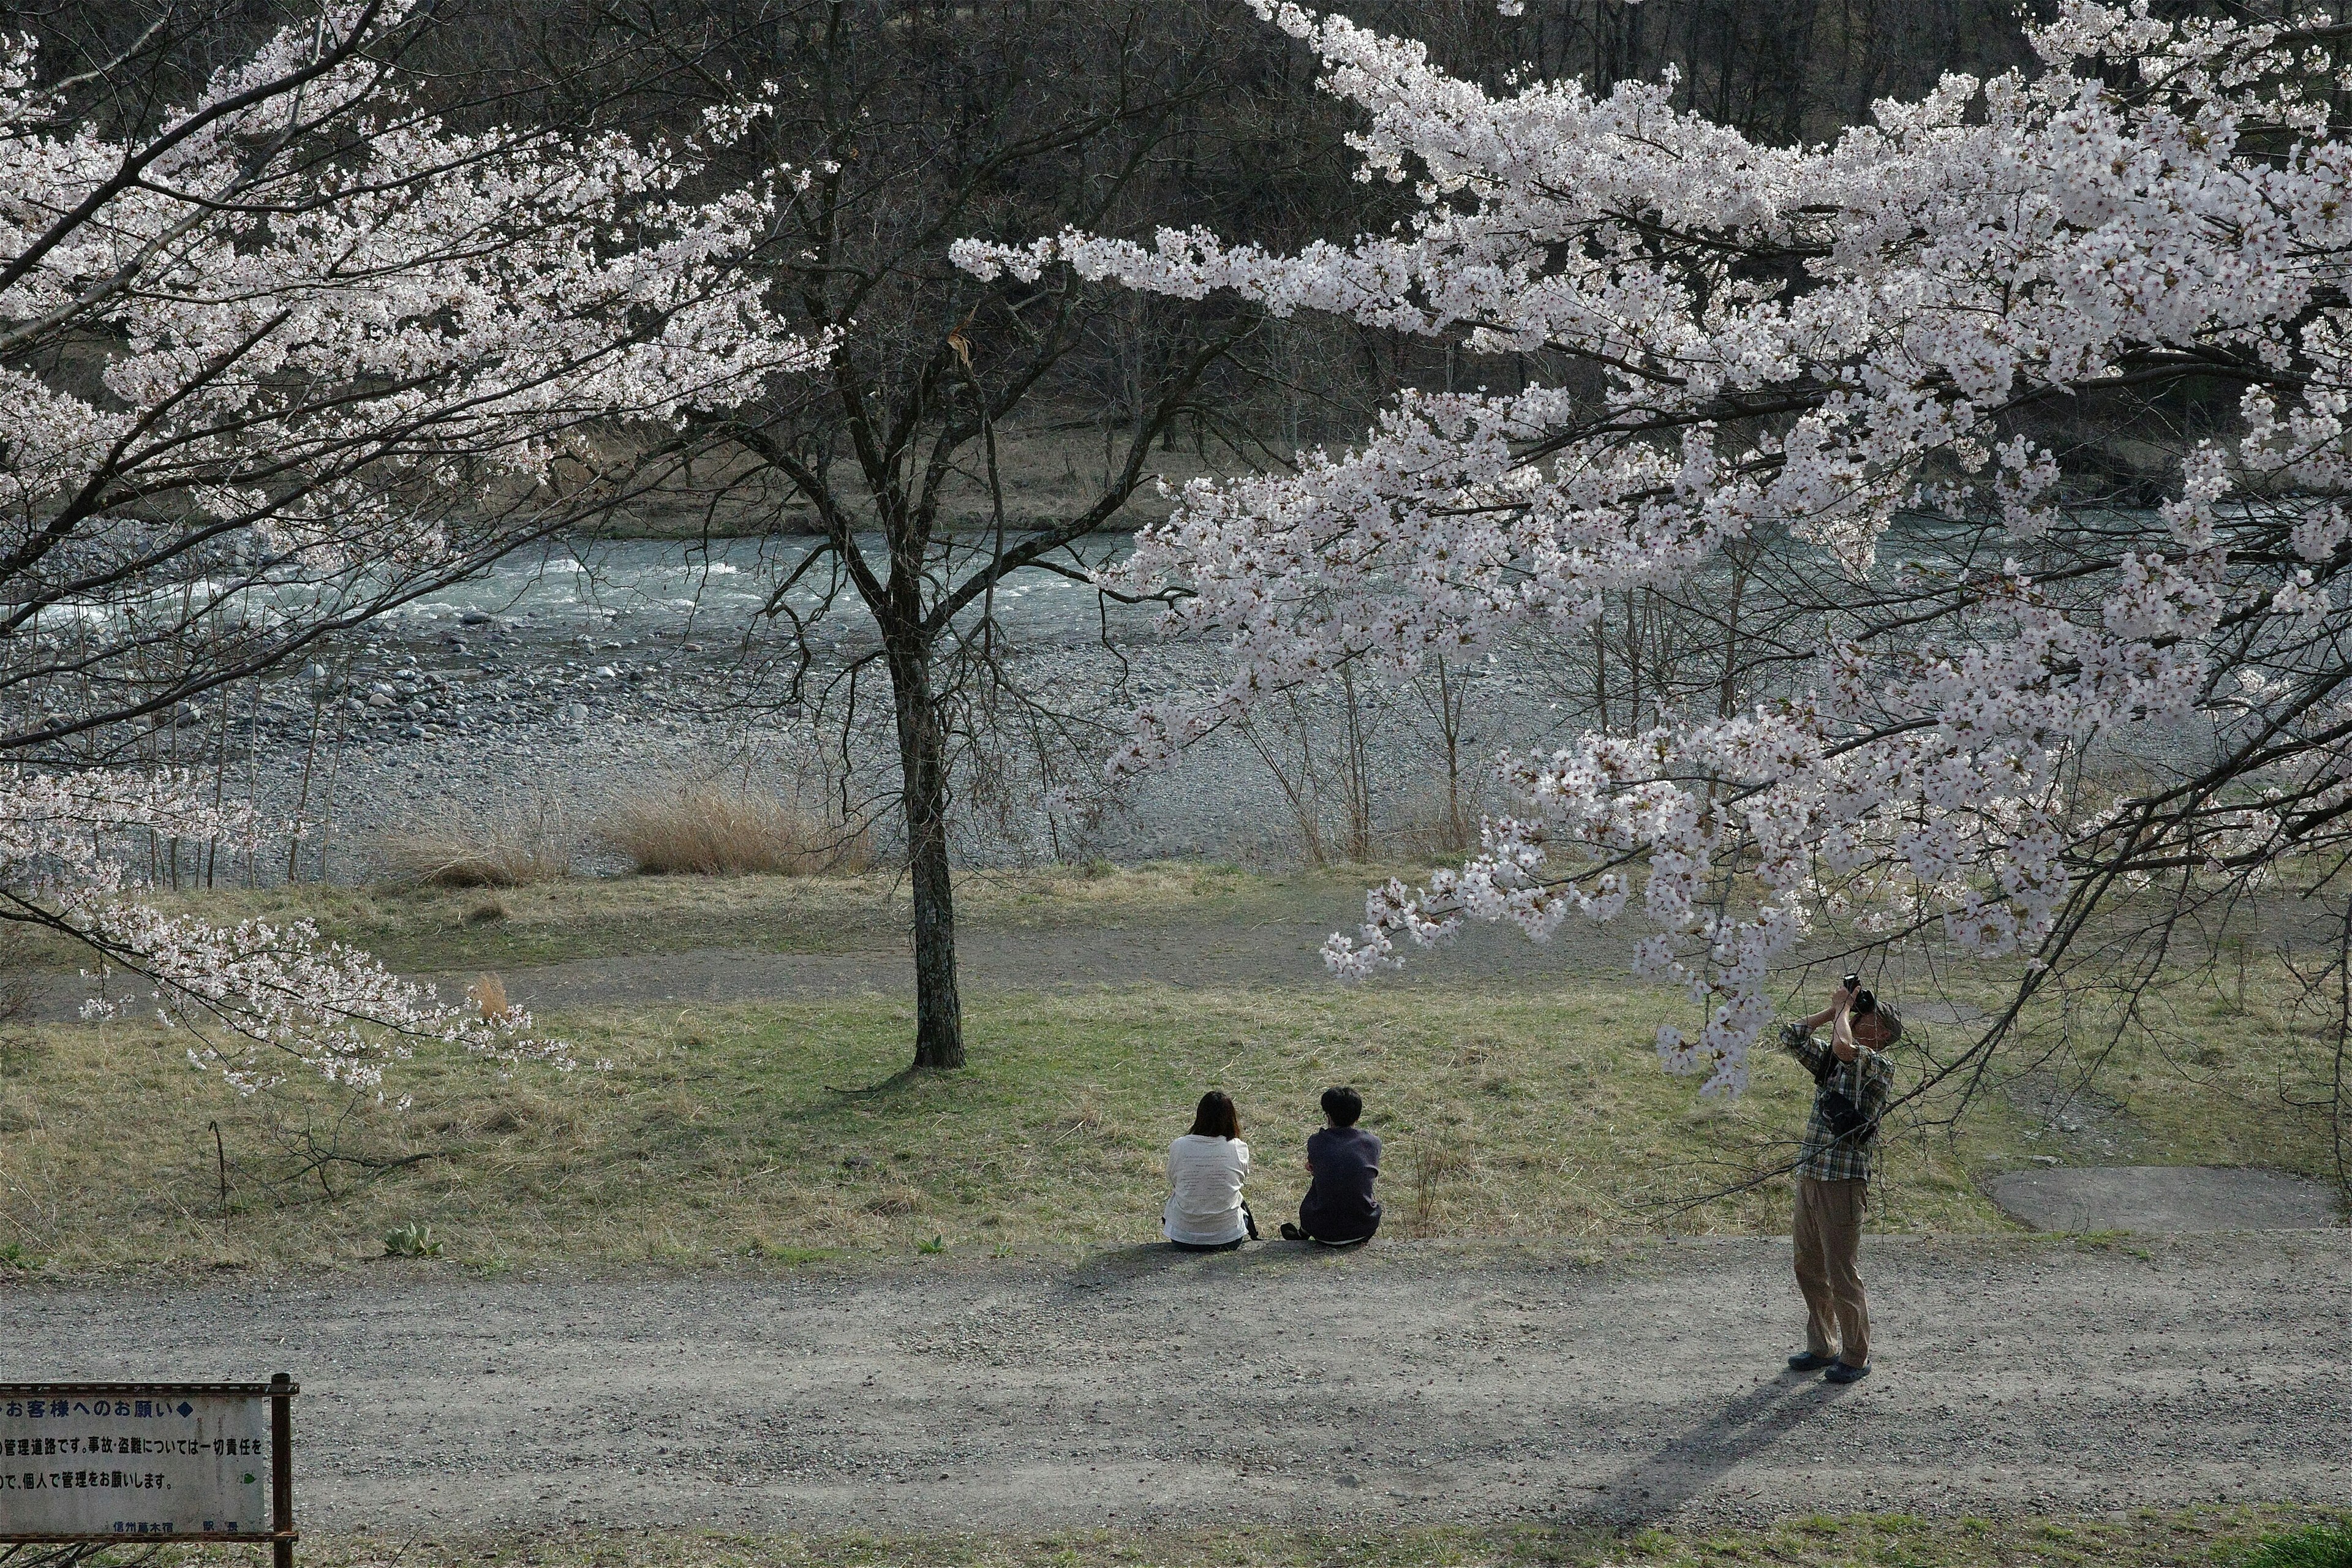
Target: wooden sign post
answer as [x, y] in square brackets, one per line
[149, 1461]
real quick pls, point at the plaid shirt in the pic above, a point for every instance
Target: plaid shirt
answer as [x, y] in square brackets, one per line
[1866, 1080]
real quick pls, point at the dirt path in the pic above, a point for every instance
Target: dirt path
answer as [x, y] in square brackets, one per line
[1414, 1382]
[1194, 956]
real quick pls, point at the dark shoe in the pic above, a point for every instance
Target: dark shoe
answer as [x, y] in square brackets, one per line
[1841, 1372]
[1292, 1233]
[1806, 1361]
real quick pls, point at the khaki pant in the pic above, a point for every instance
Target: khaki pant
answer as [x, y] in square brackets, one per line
[1829, 1254]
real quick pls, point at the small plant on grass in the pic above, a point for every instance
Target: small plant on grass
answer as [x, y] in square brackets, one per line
[937, 1244]
[2314, 1546]
[14, 1256]
[412, 1240]
[1439, 1162]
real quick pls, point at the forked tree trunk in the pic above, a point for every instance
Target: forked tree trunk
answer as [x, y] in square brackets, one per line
[922, 764]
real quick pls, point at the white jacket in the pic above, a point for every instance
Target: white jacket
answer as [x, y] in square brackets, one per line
[1204, 1189]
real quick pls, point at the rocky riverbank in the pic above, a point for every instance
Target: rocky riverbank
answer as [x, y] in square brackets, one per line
[508, 725]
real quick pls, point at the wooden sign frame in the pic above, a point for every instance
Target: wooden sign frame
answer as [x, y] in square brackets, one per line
[279, 1391]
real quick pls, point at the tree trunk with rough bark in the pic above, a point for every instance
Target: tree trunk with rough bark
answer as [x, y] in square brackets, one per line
[922, 759]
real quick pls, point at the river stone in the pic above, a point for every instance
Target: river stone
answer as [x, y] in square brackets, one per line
[2163, 1199]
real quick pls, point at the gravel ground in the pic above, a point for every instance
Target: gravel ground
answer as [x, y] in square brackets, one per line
[530, 700]
[510, 725]
[1413, 1382]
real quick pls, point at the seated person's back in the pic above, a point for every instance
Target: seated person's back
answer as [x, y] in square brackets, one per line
[1206, 1168]
[1346, 1161]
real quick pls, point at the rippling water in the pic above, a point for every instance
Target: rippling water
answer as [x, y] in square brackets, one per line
[680, 586]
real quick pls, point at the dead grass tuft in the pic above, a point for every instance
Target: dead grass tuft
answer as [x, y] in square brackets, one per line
[489, 995]
[713, 831]
[477, 855]
[894, 1203]
[1441, 1160]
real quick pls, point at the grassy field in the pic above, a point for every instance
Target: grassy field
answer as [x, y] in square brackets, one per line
[430, 928]
[720, 1135]
[2205, 1538]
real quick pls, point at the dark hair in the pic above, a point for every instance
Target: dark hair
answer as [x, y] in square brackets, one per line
[1216, 1118]
[1342, 1105]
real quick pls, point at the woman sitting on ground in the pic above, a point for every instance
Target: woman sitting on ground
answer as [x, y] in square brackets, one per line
[1206, 1168]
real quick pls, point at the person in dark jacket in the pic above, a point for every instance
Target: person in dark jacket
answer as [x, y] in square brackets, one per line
[1344, 1161]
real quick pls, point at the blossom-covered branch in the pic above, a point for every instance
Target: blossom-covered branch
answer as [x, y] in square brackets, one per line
[272, 361]
[1734, 344]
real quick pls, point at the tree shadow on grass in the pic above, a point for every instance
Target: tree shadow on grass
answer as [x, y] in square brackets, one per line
[899, 1079]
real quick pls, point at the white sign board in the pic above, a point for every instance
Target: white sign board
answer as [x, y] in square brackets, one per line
[94, 1464]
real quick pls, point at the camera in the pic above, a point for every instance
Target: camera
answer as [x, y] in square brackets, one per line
[1863, 1002]
[1853, 984]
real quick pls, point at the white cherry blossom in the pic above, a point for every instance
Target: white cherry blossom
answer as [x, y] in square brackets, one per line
[1802, 343]
[298, 338]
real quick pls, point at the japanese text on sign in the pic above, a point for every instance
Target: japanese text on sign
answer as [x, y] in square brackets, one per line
[92, 1465]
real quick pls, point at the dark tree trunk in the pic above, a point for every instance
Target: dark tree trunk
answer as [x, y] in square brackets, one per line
[922, 759]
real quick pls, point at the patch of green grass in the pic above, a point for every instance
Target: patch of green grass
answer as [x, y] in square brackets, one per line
[783, 1132]
[2147, 1539]
[787, 1134]
[2327, 1545]
[419, 929]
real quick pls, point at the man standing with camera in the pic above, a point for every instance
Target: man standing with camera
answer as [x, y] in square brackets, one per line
[1851, 1079]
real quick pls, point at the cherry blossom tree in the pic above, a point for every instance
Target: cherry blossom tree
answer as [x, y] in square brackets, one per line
[2055, 708]
[277, 359]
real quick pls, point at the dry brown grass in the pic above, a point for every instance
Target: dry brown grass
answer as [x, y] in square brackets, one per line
[488, 995]
[711, 830]
[1442, 1160]
[496, 855]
